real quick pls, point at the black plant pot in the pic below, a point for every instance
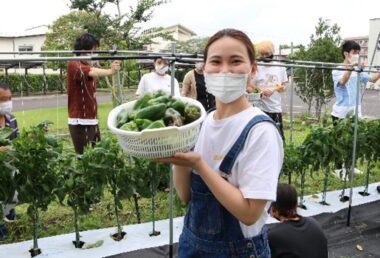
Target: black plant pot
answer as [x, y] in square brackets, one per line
[118, 237]
[35, 251]
[364, 193]
[302, 206]
[155, 233]
[81, 244]
[325, 203]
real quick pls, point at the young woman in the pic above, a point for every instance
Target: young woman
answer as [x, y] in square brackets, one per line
[231, 176]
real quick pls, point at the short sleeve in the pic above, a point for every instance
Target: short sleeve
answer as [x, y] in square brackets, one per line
[141, 88]
[364, 77]
[337, 75]
[284, 75]
[260, 163]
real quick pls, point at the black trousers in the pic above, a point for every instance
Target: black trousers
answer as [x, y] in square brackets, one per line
[277, 118]
[83, 135]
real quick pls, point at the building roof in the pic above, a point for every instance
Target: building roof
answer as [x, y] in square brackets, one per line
[170, 28]
[34, 31]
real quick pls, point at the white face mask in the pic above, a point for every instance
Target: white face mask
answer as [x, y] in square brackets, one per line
[354, 59]
[199, 65]
[91, 62]
[5, 107]
[226, 87]
[161, 69]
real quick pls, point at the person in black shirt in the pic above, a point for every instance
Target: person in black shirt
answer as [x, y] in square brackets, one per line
[295, 236]
[194, 86]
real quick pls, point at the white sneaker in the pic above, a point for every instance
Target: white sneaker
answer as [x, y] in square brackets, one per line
[357, 171]
[341, 173]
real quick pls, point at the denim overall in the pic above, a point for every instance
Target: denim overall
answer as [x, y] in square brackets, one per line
[209, 229]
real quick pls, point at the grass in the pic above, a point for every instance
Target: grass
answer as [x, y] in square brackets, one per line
[58, 219]
[58, 116]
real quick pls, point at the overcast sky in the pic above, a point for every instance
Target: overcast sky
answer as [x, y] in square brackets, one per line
[278, 20]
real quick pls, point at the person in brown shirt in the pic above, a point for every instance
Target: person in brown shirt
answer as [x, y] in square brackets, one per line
[81, 90]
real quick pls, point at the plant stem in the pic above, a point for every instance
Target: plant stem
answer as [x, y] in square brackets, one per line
[302, 188]
[325, 183]
[153, 200]
[367, 176]
[35, 228]
[115, 199]
[135, 198]
[76, 218]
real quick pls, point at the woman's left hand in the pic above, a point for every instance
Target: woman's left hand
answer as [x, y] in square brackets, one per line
[185, 159]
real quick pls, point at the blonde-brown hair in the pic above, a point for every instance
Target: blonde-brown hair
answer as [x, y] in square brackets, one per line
[265, 46]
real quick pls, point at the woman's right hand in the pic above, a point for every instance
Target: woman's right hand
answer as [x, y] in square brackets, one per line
[184, 159]
[267, 92]
[115, 66]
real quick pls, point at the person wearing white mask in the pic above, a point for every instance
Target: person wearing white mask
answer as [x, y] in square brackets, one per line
[9, 121]
[157, 80]
[194, 86]
[345, 87]
[6, 118]
[230, 178]
[271, 80]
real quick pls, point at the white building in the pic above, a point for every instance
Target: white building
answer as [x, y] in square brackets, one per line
[178, 32]
[30, 40]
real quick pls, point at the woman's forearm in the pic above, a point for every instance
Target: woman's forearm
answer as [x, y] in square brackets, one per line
[182, 182]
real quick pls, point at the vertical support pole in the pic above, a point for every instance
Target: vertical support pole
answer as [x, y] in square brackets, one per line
[354, 146]
[291, 98]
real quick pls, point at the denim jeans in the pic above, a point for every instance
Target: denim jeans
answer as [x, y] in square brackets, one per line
[212, 231]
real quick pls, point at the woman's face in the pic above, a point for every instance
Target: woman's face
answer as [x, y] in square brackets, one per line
[228, 55]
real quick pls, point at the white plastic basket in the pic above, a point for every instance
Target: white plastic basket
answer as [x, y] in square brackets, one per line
[157, 143]
[253, 97]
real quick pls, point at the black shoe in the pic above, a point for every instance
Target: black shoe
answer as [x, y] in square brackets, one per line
[378, 188]
[12, 216]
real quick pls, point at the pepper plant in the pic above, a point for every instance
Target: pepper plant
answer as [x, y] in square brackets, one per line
[148, 176]
[35, 156]
[320, 145]
[7, 182]
[296, 162]
[369, 134]
[81, 185]
[113, 162]
[343, 134]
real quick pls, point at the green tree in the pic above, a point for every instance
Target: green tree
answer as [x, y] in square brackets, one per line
[195, 45]
[121, 29]
[315, 87]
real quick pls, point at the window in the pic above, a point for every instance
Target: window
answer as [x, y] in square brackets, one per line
[25, 48]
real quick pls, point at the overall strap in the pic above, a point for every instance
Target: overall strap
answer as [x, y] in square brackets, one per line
[230, 158]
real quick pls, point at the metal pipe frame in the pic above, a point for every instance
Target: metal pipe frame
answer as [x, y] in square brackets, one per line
[181, 58]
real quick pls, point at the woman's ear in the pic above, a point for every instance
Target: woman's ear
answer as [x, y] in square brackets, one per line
[253, 71]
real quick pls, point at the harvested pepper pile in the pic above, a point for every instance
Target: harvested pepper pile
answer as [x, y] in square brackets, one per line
[157, 110]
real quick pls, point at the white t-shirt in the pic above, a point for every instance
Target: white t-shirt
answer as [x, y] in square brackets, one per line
[152, 82]
[269, 77]
[257, 167]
